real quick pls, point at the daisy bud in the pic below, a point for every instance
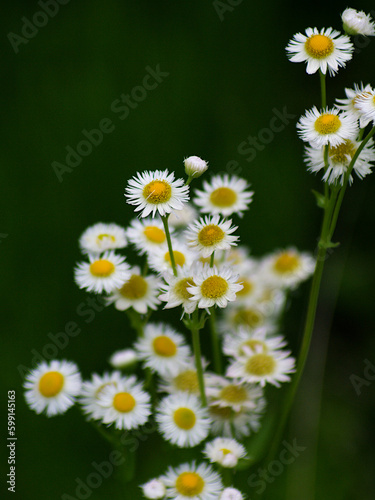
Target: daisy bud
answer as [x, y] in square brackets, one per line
[154, 489]
[357, 23]
[195, 166]
[231, 494]
[123, 359]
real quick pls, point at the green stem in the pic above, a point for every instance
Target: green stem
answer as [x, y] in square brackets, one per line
[195, 327]
[323, 89]
[212, 260]
[169, 241]
[218, 364]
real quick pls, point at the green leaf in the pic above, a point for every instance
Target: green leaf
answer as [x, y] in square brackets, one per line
[320, 198]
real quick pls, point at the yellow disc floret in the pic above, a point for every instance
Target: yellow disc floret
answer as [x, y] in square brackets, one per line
[223, 197]
[179, 258]
[104, 236]
[254, 345]
[102, 268]
[180, 288]
[154, 234]
[260, 365]
[50, 384]
[248, 317]
[157, 192]
[187, 381]
[184, 418]
[286, 263]
[164, 346]
[135, 288]
[214, 287]
[189, 484]
[343, 153]
[327, 124]
[319, 46]
[123, 402]
[210, 235]
[247, 287]
[234, 394]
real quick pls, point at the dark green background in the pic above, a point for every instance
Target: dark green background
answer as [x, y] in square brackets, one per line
[225, 78]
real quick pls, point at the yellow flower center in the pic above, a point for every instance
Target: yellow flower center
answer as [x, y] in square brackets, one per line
[340, 153]
[253, 345]
[164, 346]
[224, 412]
[157, 192]
[104, 236]
[214, 287]
[184, 418]
[286, 263]
[102, 268]
[260, 365]
[248, 287]
[135, 288]
[123, 402]
[100, 389]
[180, 288]
[233, 394]
[187, 381]
[225, 451]
[154, 234]
[319, 46]
[327, 124]
[179, 258]
[189, 484]
[223, 197]
[248, 317]
[50, 384]
[210, 235]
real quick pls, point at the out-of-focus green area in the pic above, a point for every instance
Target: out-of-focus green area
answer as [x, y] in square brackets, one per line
[223, 76]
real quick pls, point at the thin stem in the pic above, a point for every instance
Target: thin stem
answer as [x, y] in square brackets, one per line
[212, 260]
[169, 241]
[195, 327]
[218, 364]
[323, 89]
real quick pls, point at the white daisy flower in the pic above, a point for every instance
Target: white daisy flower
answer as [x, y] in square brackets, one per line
[185, 380]
[209, 234]
[180, 220]
[339, 158]
[195, 166]
[52, 387]
[357, 23]
[91, 390]
[224, 195]
[250, 316]
[147, 235]
[123, 359]
[235, 342]
[182, 420]
[155, 192]
[224, 451]
[213, 286]
[231, 494]
[326, 127]
[257, 366]
[162, 349]
[127, 406]
[228, 423]
[322, 50]
[365, 103]
[192, 482]
[287, 268]
[176, 290]
[103, 273]
[349, 105]
[101, 237]
[160, 260]
[139, 292]
[154, 489]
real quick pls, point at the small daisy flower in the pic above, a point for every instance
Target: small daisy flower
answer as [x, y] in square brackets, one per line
[257, 366]
[214, 287]
[357, 23]
[224, 195]
[52, 387]
[339, 158]
[176, 290]
[287, 268]
[323, 50]
[147, 235]
[180, 220]
[228, 423]
[249, 316]
[349, 105]
[160, 260]
[124, 358]
[231, 494]
[154, 489]
[155, 192]
[102, 274]
[185, 380]
[127, 406]
[162, 349]
[192, 482]
[182, 420]
[365, 103]
[224, 451]
[326, 127]
[195, 166]
[139, 292]
[209, 234]
[102, 237]
[234, 343]
[92, 389]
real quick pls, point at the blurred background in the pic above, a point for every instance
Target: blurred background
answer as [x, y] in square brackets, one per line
[223, 75]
